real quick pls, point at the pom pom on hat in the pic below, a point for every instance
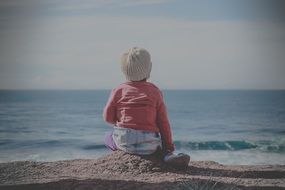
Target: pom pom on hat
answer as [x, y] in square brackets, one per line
[136, 64]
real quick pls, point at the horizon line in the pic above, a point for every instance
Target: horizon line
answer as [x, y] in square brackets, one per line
[89, 89]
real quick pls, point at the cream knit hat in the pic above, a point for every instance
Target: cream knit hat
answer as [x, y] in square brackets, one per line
[136, 64]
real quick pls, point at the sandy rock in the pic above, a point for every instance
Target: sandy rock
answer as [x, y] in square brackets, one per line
[124, 171]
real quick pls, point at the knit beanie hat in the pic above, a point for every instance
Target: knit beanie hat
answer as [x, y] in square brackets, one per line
[136, 64]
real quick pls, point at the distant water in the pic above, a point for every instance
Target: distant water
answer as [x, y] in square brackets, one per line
[227, 126]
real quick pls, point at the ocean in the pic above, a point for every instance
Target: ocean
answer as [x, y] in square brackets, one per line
[227, 126]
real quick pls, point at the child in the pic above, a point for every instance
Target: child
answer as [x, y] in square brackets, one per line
[137, 110]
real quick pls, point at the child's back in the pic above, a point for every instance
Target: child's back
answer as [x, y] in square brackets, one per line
[134, 105]
[139, 106]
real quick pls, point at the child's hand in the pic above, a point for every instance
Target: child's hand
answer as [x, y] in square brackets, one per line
[177, 160]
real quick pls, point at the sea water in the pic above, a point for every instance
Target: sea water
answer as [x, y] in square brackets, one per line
[227, 126]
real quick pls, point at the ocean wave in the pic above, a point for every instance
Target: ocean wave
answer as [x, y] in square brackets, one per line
[277, 146]
[93, 146]
[264, 146]
[267, 146]
[43, 143]
[48, 143]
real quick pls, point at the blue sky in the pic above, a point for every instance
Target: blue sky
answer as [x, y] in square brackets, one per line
[205, 44]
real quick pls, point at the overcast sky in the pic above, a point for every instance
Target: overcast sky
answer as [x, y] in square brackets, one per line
[202, 44]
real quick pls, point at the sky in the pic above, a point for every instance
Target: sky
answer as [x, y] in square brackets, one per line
[194, 44]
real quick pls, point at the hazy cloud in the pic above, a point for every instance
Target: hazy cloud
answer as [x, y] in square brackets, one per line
[82, 51]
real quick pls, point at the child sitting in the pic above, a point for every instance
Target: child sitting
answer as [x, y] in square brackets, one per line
[138, 113]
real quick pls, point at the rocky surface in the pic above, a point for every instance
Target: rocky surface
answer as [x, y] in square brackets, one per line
[124, 171]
